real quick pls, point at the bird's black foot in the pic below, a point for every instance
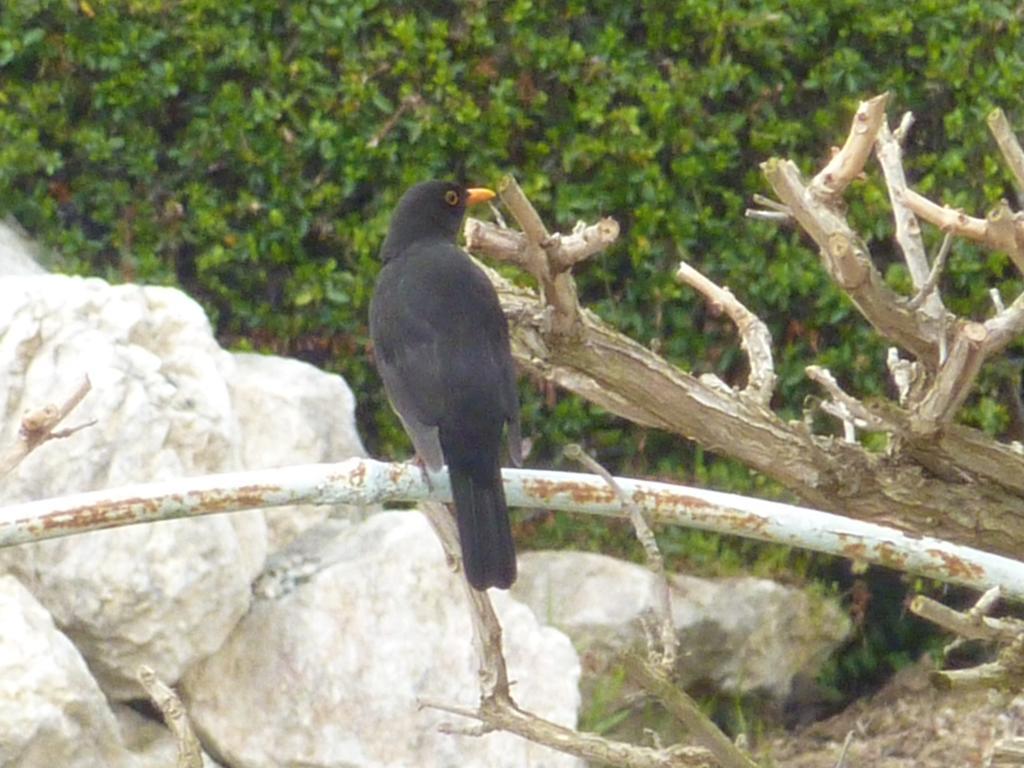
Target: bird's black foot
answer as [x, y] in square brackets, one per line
[419, 462]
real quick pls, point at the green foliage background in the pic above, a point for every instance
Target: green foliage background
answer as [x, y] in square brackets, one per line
[250, 151]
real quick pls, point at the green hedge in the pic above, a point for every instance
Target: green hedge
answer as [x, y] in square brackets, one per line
[250, 150]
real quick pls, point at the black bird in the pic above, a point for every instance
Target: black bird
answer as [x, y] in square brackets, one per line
[441, 344]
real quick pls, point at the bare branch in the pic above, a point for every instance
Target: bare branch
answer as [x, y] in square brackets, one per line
[777, 212]
[851, 406]
[547, 257]
[1007, 672]
[190, 753]
[38, 427]
[846, 259]
[954, 380]
[776, 217]
[493, 672]
[1005, 327]
[1008, 145]
[585, 240]
[754, 335]
[687, 711]
[1001, 230]
[925, 290]
[849, 161]
[908, 230]
[841, 762]
[970, 625]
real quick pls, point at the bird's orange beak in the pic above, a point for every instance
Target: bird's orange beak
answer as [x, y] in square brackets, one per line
[476, 195]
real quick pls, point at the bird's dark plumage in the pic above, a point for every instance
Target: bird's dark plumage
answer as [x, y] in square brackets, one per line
[442, 348]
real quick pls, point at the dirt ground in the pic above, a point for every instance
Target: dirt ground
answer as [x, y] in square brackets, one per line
[908, 723]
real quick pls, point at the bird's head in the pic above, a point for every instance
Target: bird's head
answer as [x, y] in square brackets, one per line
[430, 210]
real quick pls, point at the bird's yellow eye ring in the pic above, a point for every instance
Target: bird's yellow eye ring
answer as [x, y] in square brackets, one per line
[451, 197]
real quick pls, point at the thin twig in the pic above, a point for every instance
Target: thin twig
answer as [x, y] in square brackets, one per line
[966, 624]
[668, 637]
[933, 276]
[687, 711]
[190, 753]
[775, 217]
[841, 762]
[851, 406]
[39, 426]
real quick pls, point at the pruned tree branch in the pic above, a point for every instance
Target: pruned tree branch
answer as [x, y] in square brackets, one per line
[1008, 145]
[908, 230]
[943, 463]
[1007, 671]
[754, 336]
[1001, 230]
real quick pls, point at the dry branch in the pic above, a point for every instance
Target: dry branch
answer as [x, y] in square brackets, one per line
[932, 486]
[40, 425]
[846, 259]
[1007, 672]
[1001, 230]
[908, 230]
[1008, 145]
[665, 656]
[687, 712]
[754, 335]
[848, 163]
[190, 753]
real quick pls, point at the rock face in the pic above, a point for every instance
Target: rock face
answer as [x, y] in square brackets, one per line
[292, 413]
[168, 402]
[52, 713]
[742, 635]
[18, 254]
[331, 674]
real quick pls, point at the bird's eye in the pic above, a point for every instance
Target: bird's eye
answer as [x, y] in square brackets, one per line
[451, 197]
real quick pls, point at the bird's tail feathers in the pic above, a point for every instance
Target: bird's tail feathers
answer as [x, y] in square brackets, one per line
[488, 552]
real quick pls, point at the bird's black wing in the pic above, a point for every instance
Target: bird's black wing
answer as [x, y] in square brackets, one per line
[409, 360]
[505, 380]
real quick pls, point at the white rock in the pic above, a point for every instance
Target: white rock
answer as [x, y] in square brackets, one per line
[163, 595]
[743, 635]
[331, 673]
[292, 413]
[18, 254]
[52, 713]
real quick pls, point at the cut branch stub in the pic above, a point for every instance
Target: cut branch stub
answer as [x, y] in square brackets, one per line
[1001, 230]
[849, 161]
[954, 380]
[548, 257]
